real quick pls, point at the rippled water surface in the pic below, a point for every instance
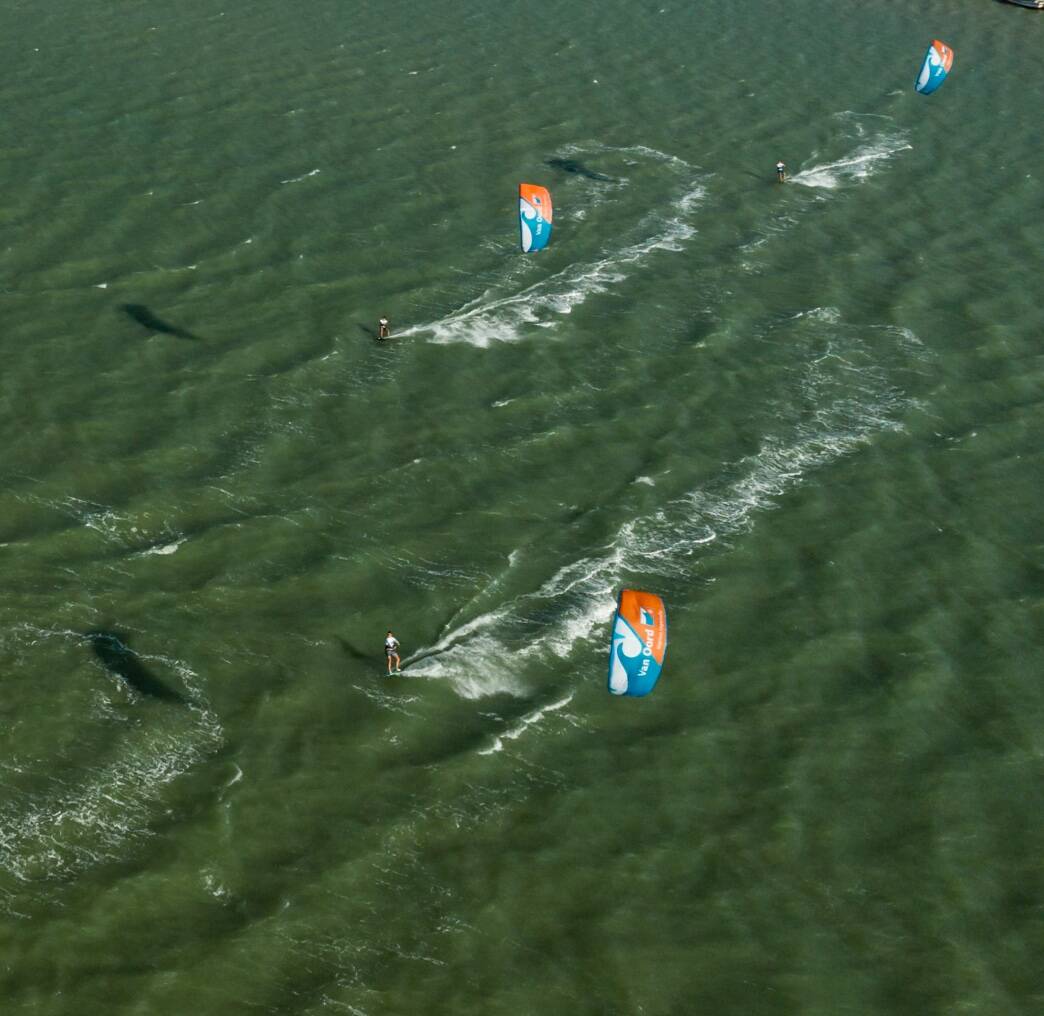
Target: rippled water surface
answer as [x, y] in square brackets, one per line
[808, 415]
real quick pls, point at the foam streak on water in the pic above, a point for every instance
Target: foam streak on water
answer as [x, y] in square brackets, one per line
[879, 143]
[103, 812]
[854, 399]
[495, 316]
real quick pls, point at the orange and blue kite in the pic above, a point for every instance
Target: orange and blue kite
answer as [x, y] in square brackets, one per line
[639, 643]
[534, 216]
[937, 63]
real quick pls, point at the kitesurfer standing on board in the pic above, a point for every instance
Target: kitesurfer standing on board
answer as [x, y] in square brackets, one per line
[391, 650]
[382, 328]
[781, 171]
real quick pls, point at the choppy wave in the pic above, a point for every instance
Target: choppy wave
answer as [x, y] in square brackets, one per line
[303, 176]
[163, 549]
[68, 824]
[147, 536]
[531, 719]
[76, 824]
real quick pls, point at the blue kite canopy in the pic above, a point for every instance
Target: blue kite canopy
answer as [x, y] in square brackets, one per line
[937, 63]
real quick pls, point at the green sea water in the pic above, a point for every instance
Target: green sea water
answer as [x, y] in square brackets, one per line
[807, 415]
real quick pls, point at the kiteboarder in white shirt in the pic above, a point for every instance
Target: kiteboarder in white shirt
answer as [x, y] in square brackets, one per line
[391, 650]
[781, 171]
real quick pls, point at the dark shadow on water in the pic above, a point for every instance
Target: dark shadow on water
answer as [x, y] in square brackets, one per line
[578, 169]
[121, 661]
[140, 313]
[357, 654]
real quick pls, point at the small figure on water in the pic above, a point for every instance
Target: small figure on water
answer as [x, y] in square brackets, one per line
[391, 650]
[382, 328]
[781, 171]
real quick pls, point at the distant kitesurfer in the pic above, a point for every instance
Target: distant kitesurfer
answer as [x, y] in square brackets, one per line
[391, 650]
[382, 328]
[781, 171]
